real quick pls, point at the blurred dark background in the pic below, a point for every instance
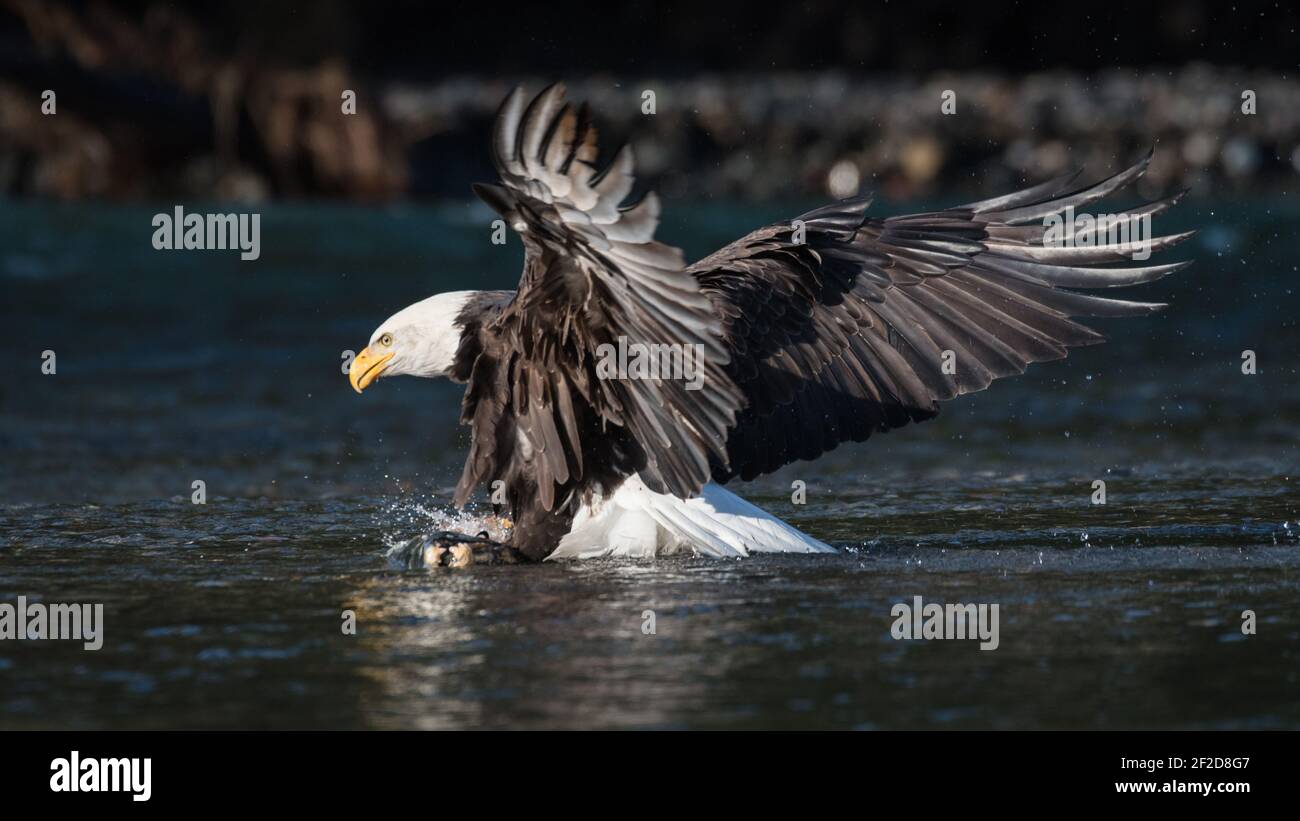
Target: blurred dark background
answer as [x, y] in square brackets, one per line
[242, 100]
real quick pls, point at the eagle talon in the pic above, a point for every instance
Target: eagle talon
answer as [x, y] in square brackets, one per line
[454, 550]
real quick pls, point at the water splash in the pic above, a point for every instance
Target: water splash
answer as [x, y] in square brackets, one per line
[405, 519]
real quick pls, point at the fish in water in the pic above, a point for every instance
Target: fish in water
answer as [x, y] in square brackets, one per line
[798, 336]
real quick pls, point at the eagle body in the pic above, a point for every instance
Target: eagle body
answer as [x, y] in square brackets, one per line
[823, 330]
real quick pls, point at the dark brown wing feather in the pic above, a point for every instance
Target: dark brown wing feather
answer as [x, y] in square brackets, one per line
[844, 335]
[542, 418]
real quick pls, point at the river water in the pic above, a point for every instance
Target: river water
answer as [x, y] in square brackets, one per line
[177, 367]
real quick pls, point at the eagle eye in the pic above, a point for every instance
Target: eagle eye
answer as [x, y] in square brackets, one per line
[386, 340]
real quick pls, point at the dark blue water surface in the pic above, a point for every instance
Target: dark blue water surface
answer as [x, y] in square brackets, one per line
[176, 367]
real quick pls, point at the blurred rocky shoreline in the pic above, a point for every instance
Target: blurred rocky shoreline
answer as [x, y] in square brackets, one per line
[146, 110]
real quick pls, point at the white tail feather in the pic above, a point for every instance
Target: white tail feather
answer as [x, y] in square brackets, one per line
[637, 522]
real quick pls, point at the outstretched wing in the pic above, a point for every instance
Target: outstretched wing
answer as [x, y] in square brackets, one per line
[849, 332]
[593, 276]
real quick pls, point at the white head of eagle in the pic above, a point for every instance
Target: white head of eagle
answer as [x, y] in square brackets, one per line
[419, 340]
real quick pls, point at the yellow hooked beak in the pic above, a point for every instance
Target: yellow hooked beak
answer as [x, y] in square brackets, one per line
[367, 367]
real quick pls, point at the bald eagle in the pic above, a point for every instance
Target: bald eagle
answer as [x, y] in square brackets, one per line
[801, 335]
